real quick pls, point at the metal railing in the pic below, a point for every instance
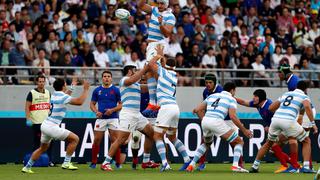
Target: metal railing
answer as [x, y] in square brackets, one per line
[27, 74]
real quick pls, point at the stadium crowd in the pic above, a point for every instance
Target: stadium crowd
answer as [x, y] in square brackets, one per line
[234, 34]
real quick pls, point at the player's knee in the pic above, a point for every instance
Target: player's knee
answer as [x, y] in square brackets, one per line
[97, 141]
[208, 140]
[236, 141]
[172, 138]
[73, 138]
[44, 147]
[306, 141]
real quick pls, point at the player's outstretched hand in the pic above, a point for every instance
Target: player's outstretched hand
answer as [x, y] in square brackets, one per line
[159, 49]
[86, 85]
[315, 129]
[248, 133]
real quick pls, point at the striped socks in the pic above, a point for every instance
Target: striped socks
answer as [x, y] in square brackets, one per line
[182, 150]
[162, 151]
[30, 163]
[146, 157]
[200, 151]
[236, 155]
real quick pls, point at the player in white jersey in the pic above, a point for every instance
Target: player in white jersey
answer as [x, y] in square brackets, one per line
[168, 116]
[284, 121]
[161, 26]
[216, 107]
[50, 127]
[130, 118]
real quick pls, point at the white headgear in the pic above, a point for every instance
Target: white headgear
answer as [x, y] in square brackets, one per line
[166, 2]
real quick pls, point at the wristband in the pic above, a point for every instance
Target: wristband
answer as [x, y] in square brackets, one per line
[313, 123]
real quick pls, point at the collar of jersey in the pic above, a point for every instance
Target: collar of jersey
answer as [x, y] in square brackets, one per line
[289, 78]
[226, 92]
[299, 91]
[265, 102]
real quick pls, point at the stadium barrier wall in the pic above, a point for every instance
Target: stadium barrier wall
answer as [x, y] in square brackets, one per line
[16, 141]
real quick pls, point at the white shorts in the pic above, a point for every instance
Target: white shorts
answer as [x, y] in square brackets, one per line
[231, 125]
[288, 128]
[50, 130]
[130, 121]
[212, 126]
[168, 116]
[104, 124]
[151, 49]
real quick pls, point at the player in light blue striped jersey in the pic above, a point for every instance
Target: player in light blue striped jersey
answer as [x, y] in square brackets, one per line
[168, 116]
[287, 109]
[216, 107]
[160, 29]
[50, 127]
[130, 118]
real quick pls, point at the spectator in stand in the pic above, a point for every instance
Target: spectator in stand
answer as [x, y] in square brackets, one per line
[183, 79]
[285, 21]
[101, 58]
[290, 56]
[134, 60]
[219, 18]
[244, 38]
[42, 63]
[180, 34]
[54, 61]
[18, 21]
[245, 64]
[277, 56]
[300, 18]
[237, 27]
[306, 65]
[313, 33]
[126, 56]
[68, 42]
[299, 36]
[266, 55]
[87, 55]
[135, 45]
[187, 26]
[35, 12]
[236, 58]
[129, 29]
[209, 60]
[194, 59]
[260, 72]
[250, 53]
[223, 59]
[250, 18]
[57, 23]
[236, 14]
[79, 40]
[76, 59]
[256, 35]
[174, 46]
[17, 55]
[51, 44]
[268, 40]
[307, 54]
[114, 56]
[234, 43]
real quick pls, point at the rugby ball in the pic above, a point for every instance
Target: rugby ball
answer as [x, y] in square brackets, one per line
[122, 14]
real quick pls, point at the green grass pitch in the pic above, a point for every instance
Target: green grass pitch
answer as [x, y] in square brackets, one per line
[213, 171]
